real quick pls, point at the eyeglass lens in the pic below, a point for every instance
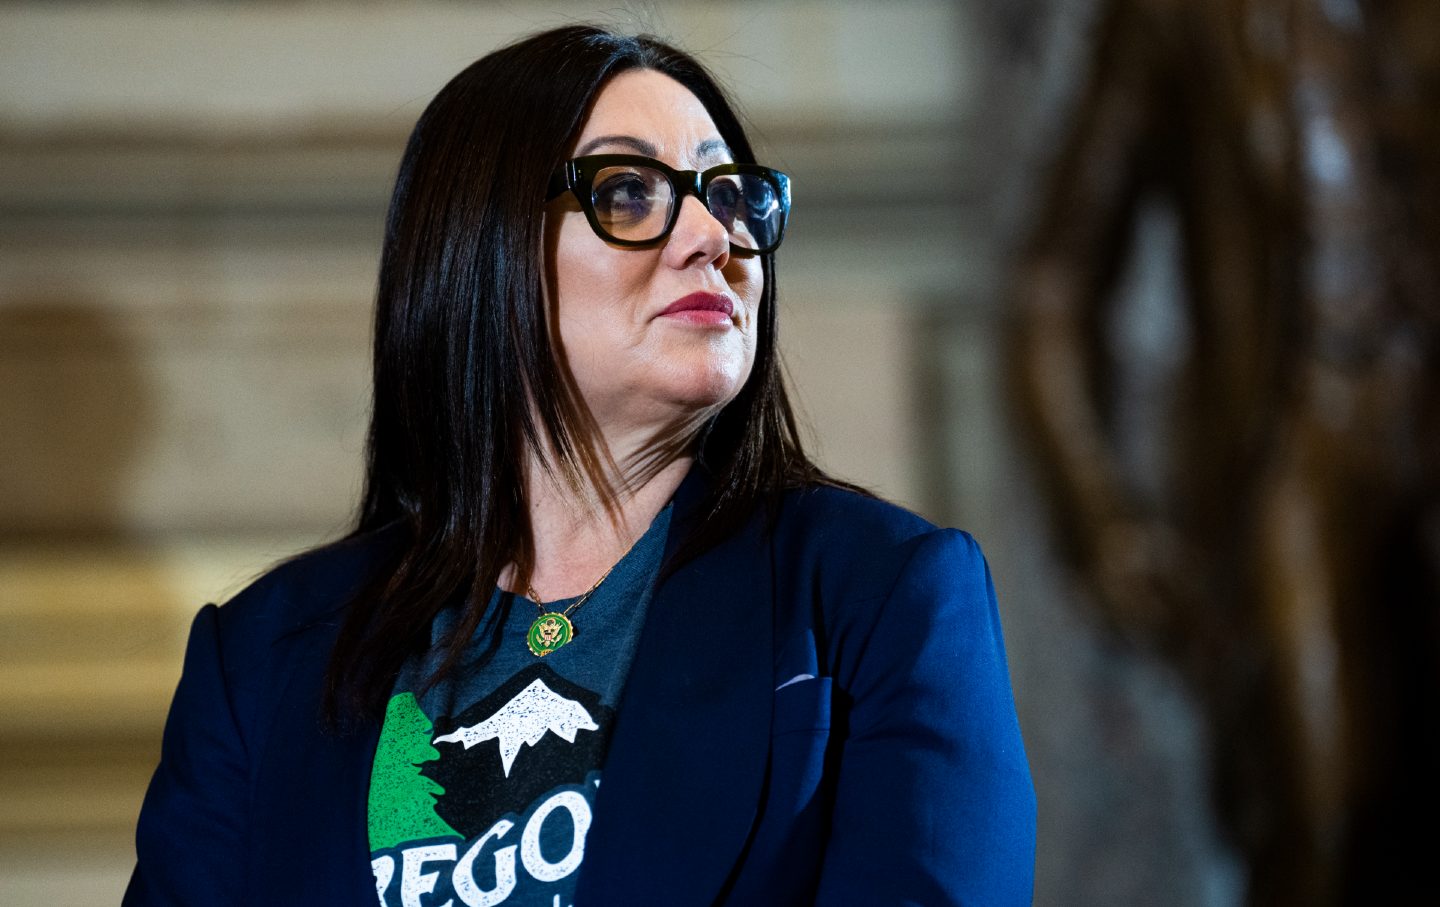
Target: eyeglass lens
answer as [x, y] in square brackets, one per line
[633, 202]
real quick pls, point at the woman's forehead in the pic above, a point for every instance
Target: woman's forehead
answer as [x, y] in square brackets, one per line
[647, 112]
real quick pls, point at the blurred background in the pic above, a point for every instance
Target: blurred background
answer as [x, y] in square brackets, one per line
[1140, 292]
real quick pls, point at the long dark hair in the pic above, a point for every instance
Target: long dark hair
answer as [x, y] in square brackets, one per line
[465, 379]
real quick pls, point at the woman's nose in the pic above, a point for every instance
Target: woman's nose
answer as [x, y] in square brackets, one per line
[698, 238]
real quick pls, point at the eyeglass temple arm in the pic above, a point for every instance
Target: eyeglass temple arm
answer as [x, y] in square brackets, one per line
[560, 181]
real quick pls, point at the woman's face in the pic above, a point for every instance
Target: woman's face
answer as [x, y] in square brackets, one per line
[640, 370]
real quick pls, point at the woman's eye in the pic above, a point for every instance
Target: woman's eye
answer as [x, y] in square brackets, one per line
[624, 196]
[629, 187]
[724, 198]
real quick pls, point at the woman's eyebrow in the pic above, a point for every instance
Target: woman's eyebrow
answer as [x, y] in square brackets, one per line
[639, 145]
[711, 147]
[707, 148]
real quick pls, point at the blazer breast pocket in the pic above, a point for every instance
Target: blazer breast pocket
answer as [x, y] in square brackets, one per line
[796, 806]
[802, 704]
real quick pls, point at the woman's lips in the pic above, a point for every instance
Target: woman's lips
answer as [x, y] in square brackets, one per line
[701, 308]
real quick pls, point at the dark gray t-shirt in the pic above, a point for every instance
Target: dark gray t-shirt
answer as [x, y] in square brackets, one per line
[483, 789]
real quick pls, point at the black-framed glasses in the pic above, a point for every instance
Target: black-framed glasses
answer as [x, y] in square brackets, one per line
[631, 200]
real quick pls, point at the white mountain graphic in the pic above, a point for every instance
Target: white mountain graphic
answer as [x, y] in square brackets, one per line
[524, 720]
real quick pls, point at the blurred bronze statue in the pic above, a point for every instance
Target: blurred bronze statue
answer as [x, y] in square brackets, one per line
[1287, 560]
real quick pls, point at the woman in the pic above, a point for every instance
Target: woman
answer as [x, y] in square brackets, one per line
[591, 548]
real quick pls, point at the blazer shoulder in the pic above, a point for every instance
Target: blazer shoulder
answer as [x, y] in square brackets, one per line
[849, 518]
[304, 590]
[849, 544]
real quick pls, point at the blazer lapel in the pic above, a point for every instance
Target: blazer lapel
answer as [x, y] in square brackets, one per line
[683, 779]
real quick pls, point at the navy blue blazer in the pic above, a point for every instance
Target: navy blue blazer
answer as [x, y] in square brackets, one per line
[818, 714]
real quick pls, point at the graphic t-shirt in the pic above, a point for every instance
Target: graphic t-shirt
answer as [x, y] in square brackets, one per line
[483, 788]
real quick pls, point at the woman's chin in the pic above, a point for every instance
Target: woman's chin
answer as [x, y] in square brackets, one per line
[710, 384]
[655, 395]
[680, 399]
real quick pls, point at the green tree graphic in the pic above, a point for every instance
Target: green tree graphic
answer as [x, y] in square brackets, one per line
[402, 801]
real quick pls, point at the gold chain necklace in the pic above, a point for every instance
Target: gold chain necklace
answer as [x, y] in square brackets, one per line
[553, 629]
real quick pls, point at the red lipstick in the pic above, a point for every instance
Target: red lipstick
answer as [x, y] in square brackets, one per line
[701, 308]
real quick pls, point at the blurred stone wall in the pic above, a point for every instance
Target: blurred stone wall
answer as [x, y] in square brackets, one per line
[191, 199]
